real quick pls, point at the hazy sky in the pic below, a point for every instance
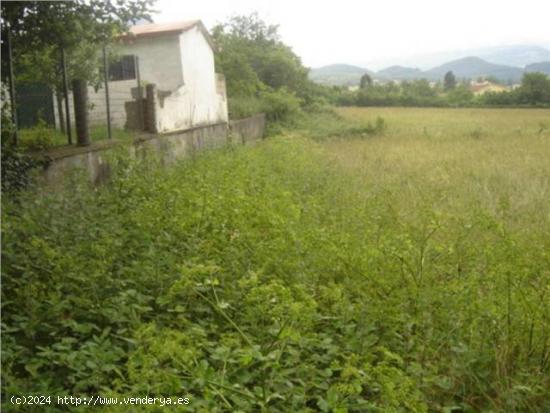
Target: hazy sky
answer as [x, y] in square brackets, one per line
[367, 32]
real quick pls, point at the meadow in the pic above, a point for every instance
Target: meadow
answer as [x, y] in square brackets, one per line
[335, 267]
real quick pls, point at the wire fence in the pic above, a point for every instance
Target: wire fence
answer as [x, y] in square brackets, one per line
[115, 107]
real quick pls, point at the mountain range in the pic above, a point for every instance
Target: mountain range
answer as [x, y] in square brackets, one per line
[518, 55]
[507, 64]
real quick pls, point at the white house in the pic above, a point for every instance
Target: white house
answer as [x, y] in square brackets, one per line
[179, 58]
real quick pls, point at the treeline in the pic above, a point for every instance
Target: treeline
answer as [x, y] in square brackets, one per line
[265, 75]
[262, 73]
[533, 91]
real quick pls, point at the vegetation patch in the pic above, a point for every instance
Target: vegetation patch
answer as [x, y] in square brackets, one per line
[402, 273]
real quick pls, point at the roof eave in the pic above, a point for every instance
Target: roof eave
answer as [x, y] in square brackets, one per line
[129, 36]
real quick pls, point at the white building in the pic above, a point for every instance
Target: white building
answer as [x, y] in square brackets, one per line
[179, 58]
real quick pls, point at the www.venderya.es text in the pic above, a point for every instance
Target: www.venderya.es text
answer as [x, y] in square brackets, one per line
[97, 400]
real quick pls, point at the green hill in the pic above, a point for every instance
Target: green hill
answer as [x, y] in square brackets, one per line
[543, 67]
[399, 73]
[338, 74]
[516, 55]
[464, 68]
[473, 67]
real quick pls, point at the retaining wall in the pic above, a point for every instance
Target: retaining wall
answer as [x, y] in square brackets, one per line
[248, 130]
[94, 159]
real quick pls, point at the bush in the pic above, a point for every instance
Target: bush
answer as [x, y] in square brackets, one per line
[16, 165]
[460, 96]
[272, 278]
[327, 123]
[241, 107]
[215, 285]
[280, 105]
[39, 137]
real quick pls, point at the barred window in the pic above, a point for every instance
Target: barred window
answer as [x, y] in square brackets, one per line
[123, 69]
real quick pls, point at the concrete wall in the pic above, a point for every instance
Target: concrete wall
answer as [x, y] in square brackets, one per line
[94, 159]
[248, 130]
[160, 60]
[209, 101]
[201, 100]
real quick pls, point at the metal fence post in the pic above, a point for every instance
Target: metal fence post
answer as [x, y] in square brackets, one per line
[80, 98]
[12, 89]
[66, 93]
[107, 103]
[140, 95]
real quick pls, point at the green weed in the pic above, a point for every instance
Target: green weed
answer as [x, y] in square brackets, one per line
[351, 275]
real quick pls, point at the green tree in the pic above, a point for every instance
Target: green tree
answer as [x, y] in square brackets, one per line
[449, 81]
[460, 96]
[535, 88]
[35, 24]
[252, 56]
[40, 29]
[261, 72]
[365, 81]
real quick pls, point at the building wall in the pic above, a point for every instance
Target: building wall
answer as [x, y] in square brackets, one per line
[201, 100]
[159, 60]
[198, 67]
[189, 92]
[123, 105]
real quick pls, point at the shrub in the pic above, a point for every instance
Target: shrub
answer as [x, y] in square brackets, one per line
[17, 168]
[272, 278]
[280, 105]
[39, 137]
[16, 165]
[240, 107]
[154, 284]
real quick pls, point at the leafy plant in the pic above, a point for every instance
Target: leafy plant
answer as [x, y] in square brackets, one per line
[346, 275]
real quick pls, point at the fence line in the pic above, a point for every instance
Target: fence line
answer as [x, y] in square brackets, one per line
[119, 101]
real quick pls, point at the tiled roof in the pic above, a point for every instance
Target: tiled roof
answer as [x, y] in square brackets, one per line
[158, 28]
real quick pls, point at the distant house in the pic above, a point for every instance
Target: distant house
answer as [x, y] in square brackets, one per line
[479, 88]
[178, 58]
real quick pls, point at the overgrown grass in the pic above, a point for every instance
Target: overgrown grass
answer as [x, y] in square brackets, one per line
[322, 125]
[241, 107]
[404, 272]
[43, 136]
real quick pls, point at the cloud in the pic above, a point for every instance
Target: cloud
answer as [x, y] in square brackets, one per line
[350, 31]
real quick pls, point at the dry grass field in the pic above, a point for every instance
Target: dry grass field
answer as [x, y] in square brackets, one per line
[497, 159]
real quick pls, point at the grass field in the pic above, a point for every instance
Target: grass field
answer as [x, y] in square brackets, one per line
[404, 269]
[494, 159]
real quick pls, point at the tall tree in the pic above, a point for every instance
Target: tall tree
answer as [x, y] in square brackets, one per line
[68, 23]
[449, 81]
[365, 81]
[535, 88]
[252, 56]
[41, 28]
